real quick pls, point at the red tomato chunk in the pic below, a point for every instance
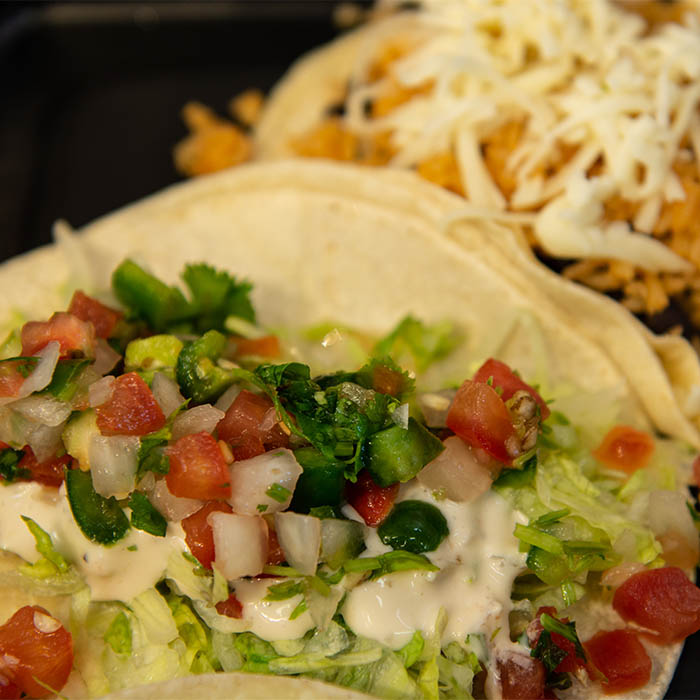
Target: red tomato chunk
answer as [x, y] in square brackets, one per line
[131, 409]
[34, 645]
[88, 309]
[249, 426]
[621, 658]
[198, 533]
[371, 501]
[662, 600]
[522, 677]
[625, 448]
[505, 379]
[198, 469]
[231, 607]
[479, 416]
[50, 472]
[75, 337]
[12, 376]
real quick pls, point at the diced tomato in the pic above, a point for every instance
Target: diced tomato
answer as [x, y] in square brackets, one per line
[75, 337]
[267, 346]
[508, 382]
[198, 533]
[50, 472]
[662, 600]
[371, 501]
[387, 381]
[9, 690]
[34, 646]
[131, 409]
[522, 677]
[247, 426]
[621, 659]
[12, 376]
[571, 661]
[625, 448]
[198, 468]
[89, 309]
[231, 607]
[275, 553]
[479, 416]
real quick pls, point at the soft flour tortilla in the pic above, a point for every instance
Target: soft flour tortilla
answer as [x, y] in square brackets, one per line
[363, 248]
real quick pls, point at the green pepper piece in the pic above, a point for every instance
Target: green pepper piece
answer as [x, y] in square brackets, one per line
[321, 483]
[398, 454]
[100, 519]
[197, 373]
[153, 353]
[144, 515]
[414, 526]
[150, 298]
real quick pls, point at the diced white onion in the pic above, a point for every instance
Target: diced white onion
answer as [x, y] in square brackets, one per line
[46, 410]
[251, 479]
[173, 508]
[456, 473]
[668, 511]
[435, 405]
[45, 440]
[100, 391]
[269, 420]
[166, 393]
[41, 375]
[228, 397]
[199, 419]
[106, 357]
[300, 539]
[240, 544]
[113, 463]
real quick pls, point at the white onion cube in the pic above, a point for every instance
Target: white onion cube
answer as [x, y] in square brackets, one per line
[240, 544]
[253, 480]
[113, 463]
[300, 539]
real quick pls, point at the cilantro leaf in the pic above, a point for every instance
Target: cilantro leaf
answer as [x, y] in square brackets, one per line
[216, 295]
[9, 465]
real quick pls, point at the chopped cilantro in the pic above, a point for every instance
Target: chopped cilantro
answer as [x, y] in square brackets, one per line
[145, 517]
[9, 465]
[261, 507]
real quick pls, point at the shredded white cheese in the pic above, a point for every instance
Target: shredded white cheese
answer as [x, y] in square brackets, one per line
[580, 73]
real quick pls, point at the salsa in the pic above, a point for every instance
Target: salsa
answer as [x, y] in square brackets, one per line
[208, 504]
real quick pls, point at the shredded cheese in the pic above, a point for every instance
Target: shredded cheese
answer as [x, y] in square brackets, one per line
[585, 76]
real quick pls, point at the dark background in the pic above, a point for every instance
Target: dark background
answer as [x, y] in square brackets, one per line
[90, 100]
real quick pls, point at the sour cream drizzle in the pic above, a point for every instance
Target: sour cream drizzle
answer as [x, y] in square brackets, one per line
[118, 572]
[478, 562]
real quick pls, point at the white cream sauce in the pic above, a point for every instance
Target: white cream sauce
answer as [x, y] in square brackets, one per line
[117, 572]
[478, 562]
[269, 619]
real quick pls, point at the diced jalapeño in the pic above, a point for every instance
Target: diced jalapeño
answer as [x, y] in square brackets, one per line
[398, 454]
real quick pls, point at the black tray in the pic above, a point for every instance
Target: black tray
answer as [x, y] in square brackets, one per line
[91, 96]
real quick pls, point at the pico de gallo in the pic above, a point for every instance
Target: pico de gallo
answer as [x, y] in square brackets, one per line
[191, 498]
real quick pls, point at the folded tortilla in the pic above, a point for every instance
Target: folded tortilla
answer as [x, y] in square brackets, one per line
[363, 248]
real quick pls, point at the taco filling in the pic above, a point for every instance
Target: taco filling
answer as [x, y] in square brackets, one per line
[186, 496]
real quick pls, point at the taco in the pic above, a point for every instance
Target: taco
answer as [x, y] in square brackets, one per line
[560, 117]
[412, 544]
